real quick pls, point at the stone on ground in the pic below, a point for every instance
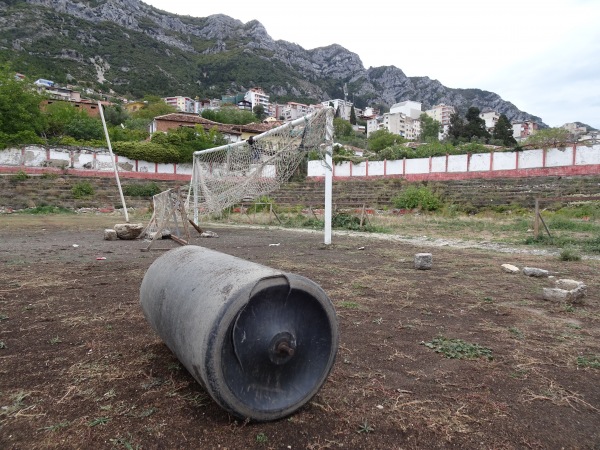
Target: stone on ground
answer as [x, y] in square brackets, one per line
[566, 291]
[128, 231]
[509, 268]
[110, 234]
[423, 261]
[535, 272]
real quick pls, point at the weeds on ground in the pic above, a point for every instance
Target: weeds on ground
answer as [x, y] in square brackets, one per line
[20, 176]
[47, 209]
[56, 426]
[98, 421]
[261, 438]
[365, 428]
[458, 349]
[592, 361]
[569, 254]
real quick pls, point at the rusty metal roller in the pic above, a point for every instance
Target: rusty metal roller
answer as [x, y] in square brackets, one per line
[260, 341]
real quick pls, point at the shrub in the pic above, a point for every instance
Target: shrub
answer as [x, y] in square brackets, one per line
[417, 197]
[82, 189]
[569, 254]
[141, 190]
[20, 176]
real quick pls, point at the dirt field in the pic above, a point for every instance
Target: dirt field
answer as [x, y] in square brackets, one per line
[81, 368]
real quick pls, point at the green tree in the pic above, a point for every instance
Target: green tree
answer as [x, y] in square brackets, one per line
[154, 106]
[259, 112]
[430, 128]
[456, 128]
[115, 115]
[19, 105]
[341, 127]
[475, 126]
[58, 116]
[85, 128]
[549, 137]
[229, 115]
[381, 139]
[352, 116]
[503, 131]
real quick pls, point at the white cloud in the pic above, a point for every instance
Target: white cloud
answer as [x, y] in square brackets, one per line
[537, 54]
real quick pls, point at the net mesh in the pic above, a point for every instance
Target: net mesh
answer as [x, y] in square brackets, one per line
[225, 176]
[169, 215]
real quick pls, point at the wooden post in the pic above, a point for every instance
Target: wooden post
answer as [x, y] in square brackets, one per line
[362, 215]
[536, 222]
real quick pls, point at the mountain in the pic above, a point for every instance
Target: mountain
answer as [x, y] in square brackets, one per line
[134, 49]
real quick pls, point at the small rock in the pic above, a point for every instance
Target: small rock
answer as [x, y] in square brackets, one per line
[128, 231]
[423, 261]
[535, 272]
[568, 285]
[509, 268]
[564, 295]
[110, 234]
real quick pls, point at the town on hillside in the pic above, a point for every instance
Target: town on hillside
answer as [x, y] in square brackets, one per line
[403, 118]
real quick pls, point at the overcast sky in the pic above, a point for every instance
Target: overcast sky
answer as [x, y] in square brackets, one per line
[541, 55]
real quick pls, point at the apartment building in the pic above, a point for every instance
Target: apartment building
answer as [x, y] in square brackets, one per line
[409, 108]
[344, 106]
[293, 110]
[490, 118]
[183, 104]
[521, 130]
[441, 113]
[256, 96]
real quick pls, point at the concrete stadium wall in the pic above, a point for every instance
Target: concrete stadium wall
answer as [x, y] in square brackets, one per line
[86, 162]
[575, 160]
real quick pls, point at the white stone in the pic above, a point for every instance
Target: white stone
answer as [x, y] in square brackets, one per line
[128, 231]
[567, 284]
[535, 272]
[110, 234]
[423, 261]
[509, 268]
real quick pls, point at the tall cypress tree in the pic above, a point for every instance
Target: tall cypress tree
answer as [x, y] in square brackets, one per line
[503, 131]
[475, 126]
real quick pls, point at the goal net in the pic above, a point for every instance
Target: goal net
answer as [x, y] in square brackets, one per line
[226, 175]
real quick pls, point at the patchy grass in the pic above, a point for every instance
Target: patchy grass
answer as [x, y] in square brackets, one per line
[458, 349]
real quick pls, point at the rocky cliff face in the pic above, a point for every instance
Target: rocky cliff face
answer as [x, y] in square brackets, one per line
[217, 53]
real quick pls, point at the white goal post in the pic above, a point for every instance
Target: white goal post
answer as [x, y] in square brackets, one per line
[226, 175]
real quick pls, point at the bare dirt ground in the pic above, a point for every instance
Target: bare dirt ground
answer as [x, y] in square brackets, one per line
[81, 368]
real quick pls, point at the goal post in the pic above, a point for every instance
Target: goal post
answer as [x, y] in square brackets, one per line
[226, 175]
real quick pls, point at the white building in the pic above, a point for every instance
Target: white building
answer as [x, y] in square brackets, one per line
[293, 110]
[409, 108]
[257, 96]
[344, 106]
[521, 130]
[442, 114]
[490, 118]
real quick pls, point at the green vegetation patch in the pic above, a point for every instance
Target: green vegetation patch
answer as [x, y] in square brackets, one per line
[47, 210]
[592, 361]
[458, 349]
[82, 189]
[141, 190]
